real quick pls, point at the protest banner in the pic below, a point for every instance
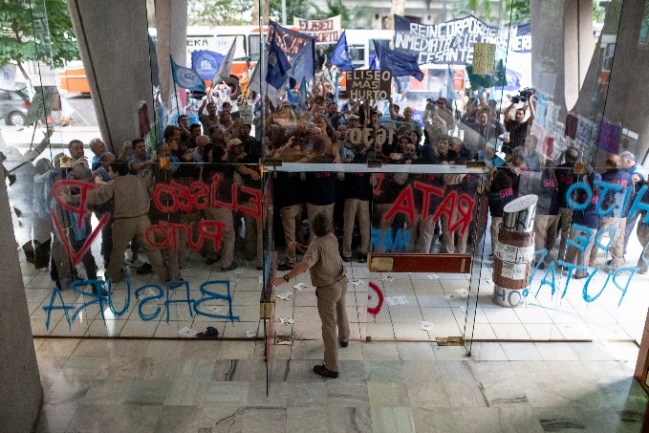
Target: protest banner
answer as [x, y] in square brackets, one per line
[451, 42]
[326, 31]
[367, 84]
[483, 58]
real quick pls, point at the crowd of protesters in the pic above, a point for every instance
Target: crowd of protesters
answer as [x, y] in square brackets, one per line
[212, 141]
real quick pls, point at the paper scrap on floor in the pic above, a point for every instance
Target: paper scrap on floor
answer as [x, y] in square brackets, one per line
[426, 326]
[357, 282]
[463, 292]
[433, 276]
[300, 286]
[251, 334]
[286, 320]
[388, 278]
[285, 296]
[187, 332]
[396, 300]
[451, 296]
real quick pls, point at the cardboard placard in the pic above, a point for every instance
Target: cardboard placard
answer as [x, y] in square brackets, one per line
[245, 113]
[367, 84]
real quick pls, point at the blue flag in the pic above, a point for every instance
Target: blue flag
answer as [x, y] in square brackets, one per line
[299, 49]
[278, 66]
[373, 65]
[206, 63]
[340, 55]
[303, 64]
[303, 96]
[186, 78]
[401, 64]
[292, 97]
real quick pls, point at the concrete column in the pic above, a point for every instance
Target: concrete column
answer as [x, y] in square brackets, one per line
[626, 98]
[578, 46]
[21, 394]
[114, 47]
[171, 25]
[562, 48]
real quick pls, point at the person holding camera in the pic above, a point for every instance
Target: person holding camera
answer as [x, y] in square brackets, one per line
[518, 127]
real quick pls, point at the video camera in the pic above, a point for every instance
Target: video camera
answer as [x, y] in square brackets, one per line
[431, 104]
[523, 95]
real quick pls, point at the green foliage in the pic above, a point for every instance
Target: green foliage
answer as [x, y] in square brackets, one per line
[479, 8]
[219, 12]
[516, 12]
[36, 30]
[350, 17]
[294, 8]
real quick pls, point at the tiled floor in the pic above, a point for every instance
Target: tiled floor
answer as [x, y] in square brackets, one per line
[441, 299]
[121, 386]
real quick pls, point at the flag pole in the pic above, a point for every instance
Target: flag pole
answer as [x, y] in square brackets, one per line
[175, 88]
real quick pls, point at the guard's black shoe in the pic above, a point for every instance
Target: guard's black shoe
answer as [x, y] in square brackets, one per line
[232, 267]
[362, 258]
[324, 371]
[344, 343]
[145, 269]
[347, 259]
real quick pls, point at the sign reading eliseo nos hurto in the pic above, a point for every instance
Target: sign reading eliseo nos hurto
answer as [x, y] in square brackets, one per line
[364, 84]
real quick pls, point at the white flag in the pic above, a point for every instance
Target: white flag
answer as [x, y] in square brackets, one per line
[224, 69]
[255, 79]
[8, 77]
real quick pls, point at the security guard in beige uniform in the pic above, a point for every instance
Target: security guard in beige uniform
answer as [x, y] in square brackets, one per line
[130, 218]
[328, 276]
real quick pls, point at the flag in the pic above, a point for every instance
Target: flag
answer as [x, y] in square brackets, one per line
[224, 69]
[373, 65]
[292, 97]
[278, 66]
[303, 63]
[401, 64]
[186, 78]
[302, 93]
[206, 63]
[450, 88]
[255, 79]
[8, 77]
[340, 55]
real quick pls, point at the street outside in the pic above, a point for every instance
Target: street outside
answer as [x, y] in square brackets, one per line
[84, 127]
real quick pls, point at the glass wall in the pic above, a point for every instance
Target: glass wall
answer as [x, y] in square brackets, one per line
[417, 139]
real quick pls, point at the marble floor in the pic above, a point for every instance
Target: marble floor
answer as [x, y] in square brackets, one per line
[126, 386]
[417, 306]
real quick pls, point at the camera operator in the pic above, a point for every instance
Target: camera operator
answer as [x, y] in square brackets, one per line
[518, 127]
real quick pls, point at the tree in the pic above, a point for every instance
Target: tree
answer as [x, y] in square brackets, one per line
[294, 8]
[516, 12]
[350, 17]
[38, 30]
[220, 12]
[479, 8]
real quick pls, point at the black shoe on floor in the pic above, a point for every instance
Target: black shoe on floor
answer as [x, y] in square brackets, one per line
[362, 258]
[232, 267]
[284, 267]
[347, 259]
[344, 343]
[145, 269]
[211, 261]
[324, 371]
[104, 292]
[174, 284]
